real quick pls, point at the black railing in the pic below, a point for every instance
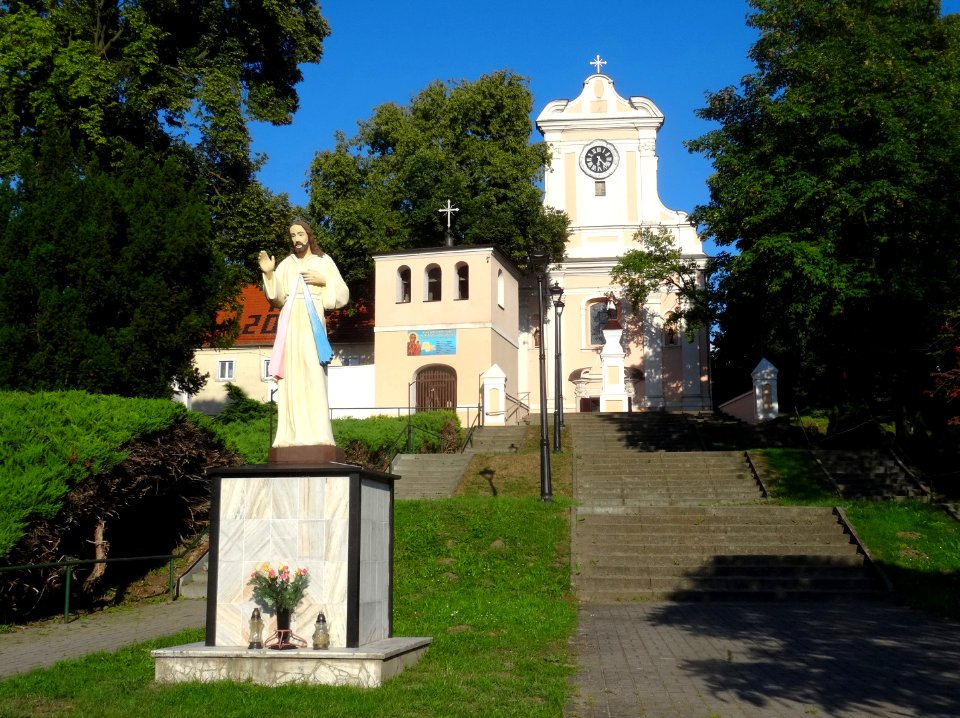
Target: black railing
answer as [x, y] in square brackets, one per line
[70, 564]
[518, 409]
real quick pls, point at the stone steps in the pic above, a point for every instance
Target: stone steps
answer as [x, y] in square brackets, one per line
[498, 439]
[661, 525]
[755, 551]
[622, 477]
[434, 476]
[643, 431]
[427, 476]
[864, 474]
[678, 563]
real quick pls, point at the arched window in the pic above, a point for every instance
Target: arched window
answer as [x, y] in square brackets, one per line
[403, 285]
[432, 285]
[463, 281]
[500, 291]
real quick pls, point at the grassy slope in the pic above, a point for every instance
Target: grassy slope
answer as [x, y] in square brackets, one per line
[917, 545]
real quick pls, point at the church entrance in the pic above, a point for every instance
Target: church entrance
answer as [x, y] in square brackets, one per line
[436, 388]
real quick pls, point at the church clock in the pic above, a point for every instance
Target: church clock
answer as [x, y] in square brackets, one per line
[599, 159]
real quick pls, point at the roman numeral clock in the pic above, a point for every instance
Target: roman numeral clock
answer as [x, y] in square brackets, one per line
[599, 159]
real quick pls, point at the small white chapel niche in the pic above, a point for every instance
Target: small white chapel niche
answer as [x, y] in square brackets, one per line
[765, 390]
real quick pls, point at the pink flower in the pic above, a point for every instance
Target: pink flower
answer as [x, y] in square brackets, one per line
[272, 573]
[284, 576]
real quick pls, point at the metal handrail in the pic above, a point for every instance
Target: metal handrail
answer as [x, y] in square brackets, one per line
[70, 564]
[477, 421]
[519, 405]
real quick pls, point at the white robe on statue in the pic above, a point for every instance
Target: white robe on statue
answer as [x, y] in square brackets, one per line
[303, 408]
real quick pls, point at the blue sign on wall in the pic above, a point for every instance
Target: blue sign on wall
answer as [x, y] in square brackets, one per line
[432, 342]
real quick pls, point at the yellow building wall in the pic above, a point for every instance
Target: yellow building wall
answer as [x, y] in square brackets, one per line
[485, 324]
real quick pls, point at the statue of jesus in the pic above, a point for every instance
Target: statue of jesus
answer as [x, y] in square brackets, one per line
[304, 285]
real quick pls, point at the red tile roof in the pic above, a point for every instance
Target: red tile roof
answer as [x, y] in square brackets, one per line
[258, 322]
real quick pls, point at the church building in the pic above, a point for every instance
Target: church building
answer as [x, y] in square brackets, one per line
[461, 301]
[460, 327]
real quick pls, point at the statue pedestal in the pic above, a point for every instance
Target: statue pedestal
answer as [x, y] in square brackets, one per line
[305, 455]
[335, 520]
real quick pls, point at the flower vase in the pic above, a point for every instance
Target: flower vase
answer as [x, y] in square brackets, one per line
[283, 620]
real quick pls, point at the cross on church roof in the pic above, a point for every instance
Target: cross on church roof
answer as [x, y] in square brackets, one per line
[448, 210]
[598, 63]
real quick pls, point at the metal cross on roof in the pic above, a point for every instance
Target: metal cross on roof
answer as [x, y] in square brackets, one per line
[598, 63]
[448, 210]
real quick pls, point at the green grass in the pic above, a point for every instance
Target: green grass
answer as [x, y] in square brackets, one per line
[518, 473]
[487, 578]
[794, 478]
[915, 544]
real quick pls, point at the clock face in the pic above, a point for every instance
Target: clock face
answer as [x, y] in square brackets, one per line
[599, 159]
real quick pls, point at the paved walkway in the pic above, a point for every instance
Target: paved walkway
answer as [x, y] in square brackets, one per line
[38, 646]
[665, 660]
[769, 660]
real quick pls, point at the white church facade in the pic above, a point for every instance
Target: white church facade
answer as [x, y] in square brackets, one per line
[459, 327]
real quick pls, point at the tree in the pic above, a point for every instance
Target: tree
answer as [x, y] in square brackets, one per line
[130, 209]
[659, 263]
[836, 177]
[468, 142]
[110, 279]
[161, 77]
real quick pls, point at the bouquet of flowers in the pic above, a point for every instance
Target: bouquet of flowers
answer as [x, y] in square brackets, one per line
[278, 589]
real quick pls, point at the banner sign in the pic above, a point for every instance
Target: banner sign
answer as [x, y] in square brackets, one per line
[433, 342]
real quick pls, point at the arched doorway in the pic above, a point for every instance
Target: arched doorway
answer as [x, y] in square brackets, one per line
[436, 388]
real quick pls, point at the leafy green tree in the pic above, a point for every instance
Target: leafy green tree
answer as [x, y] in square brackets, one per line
[467, 142]
[181, 77]
[108, 279]
[660, 263]
[837, 172]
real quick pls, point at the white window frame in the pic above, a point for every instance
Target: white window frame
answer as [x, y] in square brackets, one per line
[225, 370]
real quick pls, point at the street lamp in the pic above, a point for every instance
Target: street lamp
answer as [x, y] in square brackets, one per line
[556, 292]
[539, 261]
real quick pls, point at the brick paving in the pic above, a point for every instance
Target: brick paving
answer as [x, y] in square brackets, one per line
[764, 660]
[42, 645]
[829, 659]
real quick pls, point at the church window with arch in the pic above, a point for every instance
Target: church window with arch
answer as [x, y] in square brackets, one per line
[463, 280]
[403, 285]
[432, 286]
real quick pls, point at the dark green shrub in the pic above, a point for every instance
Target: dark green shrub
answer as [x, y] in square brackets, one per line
[51, 441]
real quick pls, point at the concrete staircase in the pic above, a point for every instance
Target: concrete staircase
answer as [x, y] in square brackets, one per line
[622, 478]
[615, 465]
[717, 553]
[434, 476]
[659, 525]
[427, 476]
[497, 439]
[193, 582]
[641, 431]
[869, 474]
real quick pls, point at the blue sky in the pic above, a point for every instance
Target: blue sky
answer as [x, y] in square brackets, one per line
[379, 51]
